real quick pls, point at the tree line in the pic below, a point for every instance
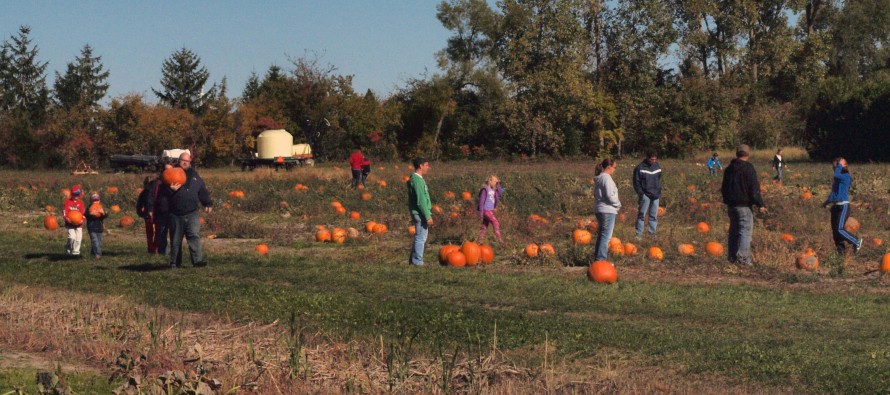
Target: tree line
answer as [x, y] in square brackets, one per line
[522, 78]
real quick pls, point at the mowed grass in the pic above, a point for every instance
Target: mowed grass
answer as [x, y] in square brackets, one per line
[24, 379]
[816, 341]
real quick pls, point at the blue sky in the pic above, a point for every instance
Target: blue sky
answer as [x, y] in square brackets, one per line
[382, 43]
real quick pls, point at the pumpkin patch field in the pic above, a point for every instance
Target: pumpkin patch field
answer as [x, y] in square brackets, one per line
[308, 289]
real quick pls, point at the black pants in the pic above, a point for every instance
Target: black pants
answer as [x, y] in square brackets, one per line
[356, 177]
[839, 215]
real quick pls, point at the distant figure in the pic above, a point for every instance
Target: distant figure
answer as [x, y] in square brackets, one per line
[778, 164]
[839, 200]
[366, 169]
[185, 218]
[75, 231]
[606, 207]
[647, 185]
[741, 191]
[421, 209]
[355, 162]
[489, 197]
[95, 225]
[714, 164]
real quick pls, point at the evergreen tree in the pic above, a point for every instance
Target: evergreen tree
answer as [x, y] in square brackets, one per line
[84, 82]
[183, 83]
[23, 79]
[251, 89]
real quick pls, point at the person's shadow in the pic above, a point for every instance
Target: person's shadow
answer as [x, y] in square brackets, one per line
[59, 257]
[145, 267]
[56, 257]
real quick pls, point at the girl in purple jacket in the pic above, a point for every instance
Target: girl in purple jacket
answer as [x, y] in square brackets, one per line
[489, 196]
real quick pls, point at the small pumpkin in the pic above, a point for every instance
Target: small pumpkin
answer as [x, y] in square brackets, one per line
[852, 225]
[703, 227]
[126, 222]
[806, 195]
[355, 215]
[686, 249]
[50, 222]
[466, 196]
[457, 259]
[602, 272]
[336, 204]
[323, 235]
[366, 196]
[547, 249]
[616, 249]
[115, 208]
[111, 190]
[262, 249]
[444, 251]
[486, 254]
[471, 252]
[661, 211]
[437, 209]
[66, 193]
[805, 263]
[340, 210]
[532, 250]
[338, 235]
[714, 248]
[173, 175]
[382, 183]
[412, 230]
[352, 233]
[449, 195]
[787, 237]
[581, 236]
[655, 253]
[614, 240]
[630, 249]
[877, 242]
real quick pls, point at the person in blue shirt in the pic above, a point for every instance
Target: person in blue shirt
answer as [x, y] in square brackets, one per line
[714, 164]
[839, 200]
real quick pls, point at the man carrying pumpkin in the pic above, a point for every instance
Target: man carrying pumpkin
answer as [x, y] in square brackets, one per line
[73, 211]
[741, 191]
[185, 218]
[421, 209]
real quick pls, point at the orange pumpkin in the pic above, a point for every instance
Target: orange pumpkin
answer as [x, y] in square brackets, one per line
[126, 222]
[852, 225]
[380, 229]
[340, 210]
[614, 240]
[412, 230]
[686, 249]
[338, 235]
[703, 227]
[50, 208]
[449, 195]
[444, 251]
[66, 193]
[471, 252]
[787, 237]
[115, 208]
[885, 263]
[616, 249]
[173, 175]
[877, 242]
[336, 204]
[355, 215]
[382, 183]
[547, 249]
[714, 248]
[283, 204]
[111, 190]
[805, 262]
[581, 236]
[366, 196]
[693, 200]
[437, 209]
[370, 226]
[466, 195]
[630, 249]
[593, 226]
[96, 209]
[75, 218]
[50, 222]
[806, 195]
[531, 250]
[602, 272]
[457, 258]
[361, 186]
[661, 211]
[486, 254]
[622, 217]
[262, 249]
[323, 235]
[691, 188]
[656, 253]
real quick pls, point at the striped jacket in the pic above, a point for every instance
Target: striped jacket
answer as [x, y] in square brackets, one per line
[647, 179]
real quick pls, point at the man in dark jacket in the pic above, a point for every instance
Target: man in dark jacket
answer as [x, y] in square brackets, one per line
[647, 185]
[185, 218]
[741, 191]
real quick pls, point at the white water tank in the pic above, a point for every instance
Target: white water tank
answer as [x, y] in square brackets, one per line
[274, 143]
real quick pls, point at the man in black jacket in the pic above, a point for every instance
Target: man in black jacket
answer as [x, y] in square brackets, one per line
[741, 191]
[185, 218]
[647, 184]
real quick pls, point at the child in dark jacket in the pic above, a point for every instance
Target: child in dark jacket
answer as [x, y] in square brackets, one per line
[489, 197]
[95, 225]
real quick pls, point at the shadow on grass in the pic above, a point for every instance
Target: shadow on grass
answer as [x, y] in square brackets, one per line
[56, 257]
[145, 267]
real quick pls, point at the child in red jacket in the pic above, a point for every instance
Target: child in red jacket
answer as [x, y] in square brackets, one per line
[74, 223]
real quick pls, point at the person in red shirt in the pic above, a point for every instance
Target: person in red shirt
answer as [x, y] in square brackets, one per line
[75, 229]
[355, 162]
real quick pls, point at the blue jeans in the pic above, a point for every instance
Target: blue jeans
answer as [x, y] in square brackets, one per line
[188, 225]
[712, 170]
[778, 174]
[422, 229]
[96, 243]
[741, 223]
[650, 206]
[606, 223]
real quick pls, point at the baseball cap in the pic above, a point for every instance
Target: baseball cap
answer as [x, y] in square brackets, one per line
[76, 191]
[94, 197]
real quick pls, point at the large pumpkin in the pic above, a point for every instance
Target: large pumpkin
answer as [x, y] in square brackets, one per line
[686, 249]
[531, 250]
[852, 225]
[885, 263]
[616, 249]
[370, 226]
[96, 209]
[547, 249]
[656, 253]
[173, 175]
[471, 252]
[126, 222]
[50, 222]
[338, 235]
[323, 235]
[581, 236]
[486, 254]
[75, 218]
[602, 272]
[456, 258]
[444, 251]
[714, 248]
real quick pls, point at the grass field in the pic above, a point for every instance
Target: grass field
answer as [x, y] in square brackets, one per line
[354, 317]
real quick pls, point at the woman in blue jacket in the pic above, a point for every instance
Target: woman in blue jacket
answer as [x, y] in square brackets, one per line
[839, 200]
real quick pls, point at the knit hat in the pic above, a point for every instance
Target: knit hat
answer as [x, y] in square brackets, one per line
[94, 197]
[76, 191]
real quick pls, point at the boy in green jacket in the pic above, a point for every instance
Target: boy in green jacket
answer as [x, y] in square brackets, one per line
[420, 206]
